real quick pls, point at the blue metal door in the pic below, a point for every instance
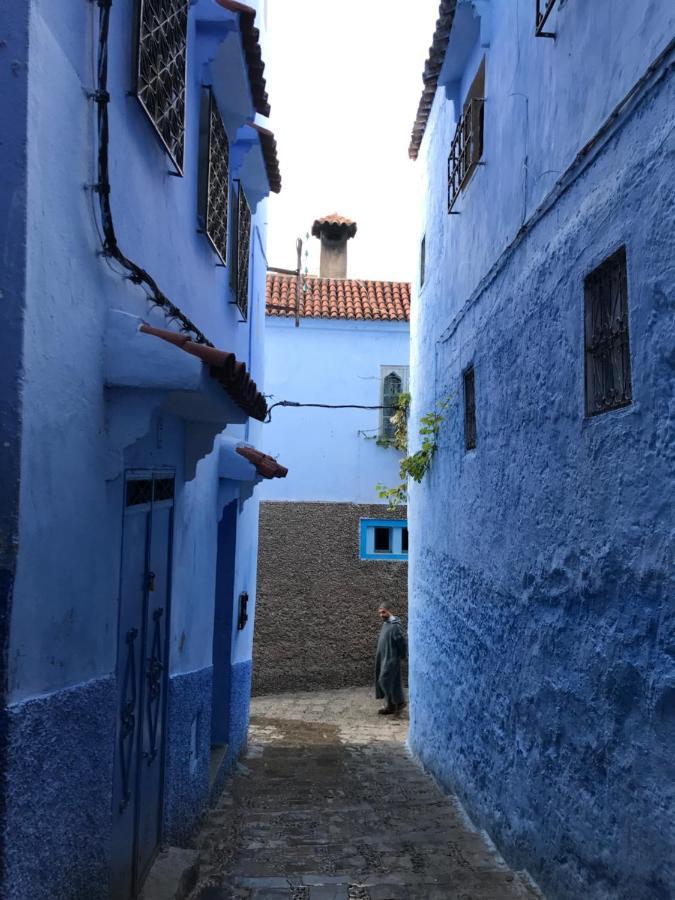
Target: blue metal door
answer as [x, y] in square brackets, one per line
[142, 665]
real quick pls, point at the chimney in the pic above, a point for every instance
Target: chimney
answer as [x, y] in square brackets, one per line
[333, 231]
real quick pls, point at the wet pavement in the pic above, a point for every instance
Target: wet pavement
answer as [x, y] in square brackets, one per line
[329, 805]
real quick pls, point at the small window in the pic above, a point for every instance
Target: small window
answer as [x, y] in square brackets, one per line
[240, 251]
[608, 372]
[467, 145]
[470, 409]
[393, 383]
[214, 175]
[161, 52]
[423, 253]
[384, 539]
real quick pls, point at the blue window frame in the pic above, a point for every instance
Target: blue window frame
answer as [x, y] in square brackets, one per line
[384, 539]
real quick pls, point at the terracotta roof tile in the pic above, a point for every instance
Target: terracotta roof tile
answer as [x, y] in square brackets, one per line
[338, 298]
[268, 145]
[432, 70]
[250, 39]
[265, 465]
[224, 367]
[334, 223]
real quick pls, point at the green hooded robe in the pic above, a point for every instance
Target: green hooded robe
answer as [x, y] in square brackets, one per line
[391, 651]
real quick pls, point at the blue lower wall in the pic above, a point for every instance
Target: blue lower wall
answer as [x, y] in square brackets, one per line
[60, 769]
[186, 780]
[240, 704]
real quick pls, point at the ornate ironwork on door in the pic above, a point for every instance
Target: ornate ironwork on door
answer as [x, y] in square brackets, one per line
[241, 251]
[154, 678]
[160, 70]
[214, 175]
[608, 372]
[127, 731]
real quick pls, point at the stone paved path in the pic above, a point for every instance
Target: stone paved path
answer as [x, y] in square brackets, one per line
[329, 805]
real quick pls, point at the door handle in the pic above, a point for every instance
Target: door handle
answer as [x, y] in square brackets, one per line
[151, 581]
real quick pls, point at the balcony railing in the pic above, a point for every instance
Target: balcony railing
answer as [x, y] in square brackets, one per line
[543, 11]
[466, 149]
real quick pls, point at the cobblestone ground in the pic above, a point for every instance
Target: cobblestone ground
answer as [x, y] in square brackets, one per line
[329, 805]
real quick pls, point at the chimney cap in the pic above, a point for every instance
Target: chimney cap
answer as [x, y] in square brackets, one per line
[334, 227]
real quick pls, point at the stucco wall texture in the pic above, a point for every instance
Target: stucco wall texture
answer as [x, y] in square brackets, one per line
[316, 614]
[541, 615]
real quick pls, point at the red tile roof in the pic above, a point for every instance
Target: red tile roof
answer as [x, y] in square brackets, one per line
[250, 39]
[339, 298]
[432, 70]
[265, 465]
[224, 367]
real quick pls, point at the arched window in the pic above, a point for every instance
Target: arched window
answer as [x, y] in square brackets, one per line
[394, 383]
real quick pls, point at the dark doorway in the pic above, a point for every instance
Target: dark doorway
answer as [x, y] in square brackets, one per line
[222, 629]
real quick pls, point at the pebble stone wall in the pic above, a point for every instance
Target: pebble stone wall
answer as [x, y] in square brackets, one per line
[316, 611]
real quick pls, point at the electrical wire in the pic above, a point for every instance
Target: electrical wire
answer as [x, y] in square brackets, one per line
[110, 247]
[295, 404]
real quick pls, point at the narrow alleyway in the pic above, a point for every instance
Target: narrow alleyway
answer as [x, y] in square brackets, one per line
[328, 805]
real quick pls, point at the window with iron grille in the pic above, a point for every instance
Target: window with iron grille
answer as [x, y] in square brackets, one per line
[240, 253]
[470, 434]
[544, 10]
[214, 175]
[608, 374]
[393, 383]
[466, 149]
[160, 70]
[423, 253]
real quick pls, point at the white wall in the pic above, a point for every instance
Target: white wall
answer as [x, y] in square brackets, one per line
[331, 454]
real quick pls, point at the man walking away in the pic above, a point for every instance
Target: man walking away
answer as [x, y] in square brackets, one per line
[391, 651]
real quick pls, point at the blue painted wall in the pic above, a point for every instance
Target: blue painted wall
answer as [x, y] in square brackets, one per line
[77, 436]
[13, 113]
[331, 454]
[541, 622]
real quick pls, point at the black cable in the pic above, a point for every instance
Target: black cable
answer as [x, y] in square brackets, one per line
[294, 403]
[111, 248]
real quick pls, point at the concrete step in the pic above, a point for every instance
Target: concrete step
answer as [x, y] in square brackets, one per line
[173, 875]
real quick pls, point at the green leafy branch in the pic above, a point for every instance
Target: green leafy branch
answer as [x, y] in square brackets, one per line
[417, 464]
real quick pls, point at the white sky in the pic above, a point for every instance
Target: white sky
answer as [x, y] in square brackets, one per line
[344, 79]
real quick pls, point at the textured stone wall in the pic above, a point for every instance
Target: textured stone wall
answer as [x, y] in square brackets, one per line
[541, 613]
[186, 777]
[58, 817]
[316, 614]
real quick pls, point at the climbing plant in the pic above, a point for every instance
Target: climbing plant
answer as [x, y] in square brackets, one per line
[417, 464]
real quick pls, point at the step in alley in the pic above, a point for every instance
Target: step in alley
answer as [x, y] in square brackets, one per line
[329, 805]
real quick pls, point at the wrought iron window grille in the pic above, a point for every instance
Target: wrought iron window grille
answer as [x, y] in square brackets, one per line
[214, 175]
[240, 252]
[544, 8]
[470, 431]
[607, 358]
[161, 53]
[466, 149]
